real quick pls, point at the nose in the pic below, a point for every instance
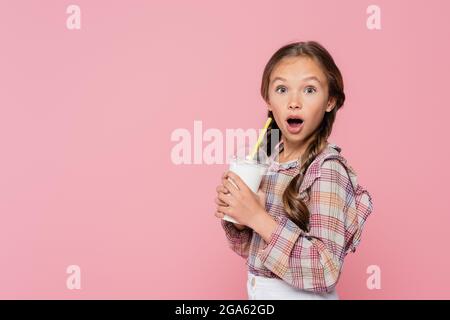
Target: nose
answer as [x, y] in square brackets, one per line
[294, 102]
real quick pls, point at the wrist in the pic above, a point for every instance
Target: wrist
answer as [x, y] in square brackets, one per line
[264, 224]
[256, 220]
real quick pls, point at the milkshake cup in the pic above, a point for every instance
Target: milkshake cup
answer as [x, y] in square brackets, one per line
[250, 171]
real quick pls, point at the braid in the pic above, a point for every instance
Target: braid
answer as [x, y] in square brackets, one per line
[294, 206]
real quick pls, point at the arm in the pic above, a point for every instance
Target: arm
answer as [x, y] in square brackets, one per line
[311, 260]
[238, 238]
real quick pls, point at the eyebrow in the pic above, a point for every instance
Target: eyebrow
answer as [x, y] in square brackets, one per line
[304, 79]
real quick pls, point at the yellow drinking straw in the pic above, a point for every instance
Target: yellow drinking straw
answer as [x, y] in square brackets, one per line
[260, 139]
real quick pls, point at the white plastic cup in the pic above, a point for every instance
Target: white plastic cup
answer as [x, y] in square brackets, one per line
[250, 171]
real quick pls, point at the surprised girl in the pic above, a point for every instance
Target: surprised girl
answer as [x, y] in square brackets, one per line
[310, 210]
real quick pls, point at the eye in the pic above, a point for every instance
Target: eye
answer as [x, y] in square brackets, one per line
[281, 87]
[311, 88]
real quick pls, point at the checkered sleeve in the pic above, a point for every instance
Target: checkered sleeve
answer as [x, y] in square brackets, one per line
[238, 240]
[312, 260]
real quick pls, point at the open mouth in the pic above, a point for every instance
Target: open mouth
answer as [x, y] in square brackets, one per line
[295, 124]
[294, 121]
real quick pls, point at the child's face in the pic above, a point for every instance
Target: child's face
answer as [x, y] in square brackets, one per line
[307, 99]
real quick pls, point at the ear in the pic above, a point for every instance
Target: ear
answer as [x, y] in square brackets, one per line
[331, 105]
[269, 107]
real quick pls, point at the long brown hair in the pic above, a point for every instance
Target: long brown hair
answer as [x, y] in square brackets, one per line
[296, 209]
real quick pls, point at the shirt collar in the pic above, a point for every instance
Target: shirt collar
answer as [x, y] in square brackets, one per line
[277, 166]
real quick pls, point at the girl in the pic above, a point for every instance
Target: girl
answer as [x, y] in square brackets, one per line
[296, 241]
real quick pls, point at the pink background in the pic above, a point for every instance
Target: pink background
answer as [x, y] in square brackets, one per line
[86, 116]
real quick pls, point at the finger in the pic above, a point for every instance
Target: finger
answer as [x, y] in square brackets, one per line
[219, 202]
[230, 186]
[225, 210]
[222, 189]
[219, 214]
[226, 198]
[236, 179]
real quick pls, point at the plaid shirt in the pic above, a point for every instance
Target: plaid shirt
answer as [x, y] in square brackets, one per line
[338, 208]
